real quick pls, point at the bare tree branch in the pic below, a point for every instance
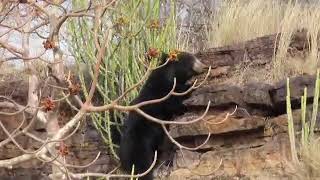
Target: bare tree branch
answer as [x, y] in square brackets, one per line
[41, 17]
[108, 176]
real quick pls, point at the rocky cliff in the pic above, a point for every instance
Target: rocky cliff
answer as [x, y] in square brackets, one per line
[252, 143]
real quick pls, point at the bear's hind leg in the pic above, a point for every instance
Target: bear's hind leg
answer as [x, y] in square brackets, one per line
[136, 152]
[145, 162]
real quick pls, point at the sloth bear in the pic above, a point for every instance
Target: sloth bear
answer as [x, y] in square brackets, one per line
[141, 137]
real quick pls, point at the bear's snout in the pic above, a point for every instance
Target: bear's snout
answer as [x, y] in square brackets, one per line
[198, 66]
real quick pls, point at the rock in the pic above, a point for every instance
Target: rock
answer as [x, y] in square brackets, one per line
[182, 174]
[259, 152]
[258, 51]
[187, 159]
[257, 98]
[15, 89]
[218, 95]
[210, 162]
[257, 94]
[297, 85]
[254, 96]
[264, 161]
[216, 124]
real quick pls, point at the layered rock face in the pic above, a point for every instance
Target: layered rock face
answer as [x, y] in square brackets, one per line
[252, 143]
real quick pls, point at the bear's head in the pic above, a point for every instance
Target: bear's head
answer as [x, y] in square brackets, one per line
[183, 67]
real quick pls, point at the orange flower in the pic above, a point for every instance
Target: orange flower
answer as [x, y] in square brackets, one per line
[48, 104]
[122, 21]
[154, 24]
[48, 44]
[153, 53]
[74, 89]
[63, 149]
[173, 55]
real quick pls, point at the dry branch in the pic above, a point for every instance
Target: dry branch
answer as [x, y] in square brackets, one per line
[56, 134]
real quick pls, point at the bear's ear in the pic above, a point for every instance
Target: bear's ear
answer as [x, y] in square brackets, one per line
[163, 58]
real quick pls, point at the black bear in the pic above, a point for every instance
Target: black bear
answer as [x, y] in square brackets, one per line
[141, 137]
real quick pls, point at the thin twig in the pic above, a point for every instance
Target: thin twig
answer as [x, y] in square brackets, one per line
[181, 146]
[225, 118]
[108, 176]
